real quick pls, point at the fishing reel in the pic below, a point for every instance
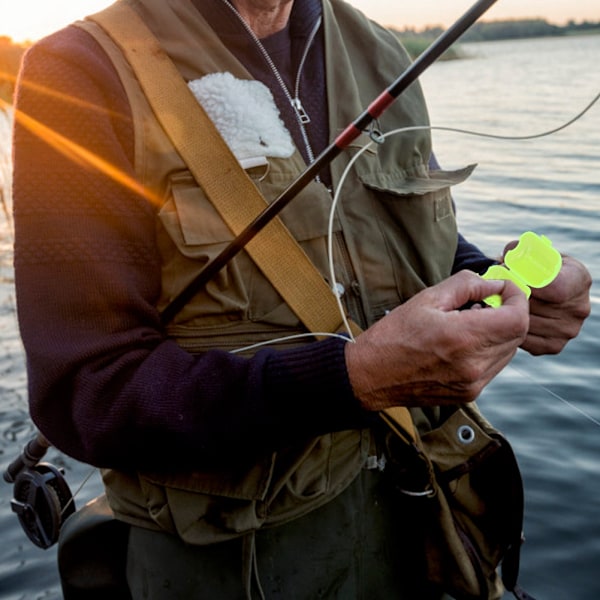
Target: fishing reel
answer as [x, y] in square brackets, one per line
[42, 499]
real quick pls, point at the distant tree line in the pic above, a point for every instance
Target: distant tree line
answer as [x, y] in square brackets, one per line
[416, 40]
[525, 28]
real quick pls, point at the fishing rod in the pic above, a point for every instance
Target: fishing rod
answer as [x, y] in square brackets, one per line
[342, 141]
[42, 500]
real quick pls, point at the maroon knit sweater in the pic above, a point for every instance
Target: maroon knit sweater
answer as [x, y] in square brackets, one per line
[106, 386]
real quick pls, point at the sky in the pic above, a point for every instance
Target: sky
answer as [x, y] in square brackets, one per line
[31, 19]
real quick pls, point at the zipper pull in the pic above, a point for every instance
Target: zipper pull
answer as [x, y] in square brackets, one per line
[302, 115]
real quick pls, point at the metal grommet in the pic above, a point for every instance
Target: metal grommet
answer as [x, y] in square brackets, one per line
[465, 434]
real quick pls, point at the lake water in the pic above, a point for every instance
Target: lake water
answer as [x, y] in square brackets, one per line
[549, 407]
[552, 186]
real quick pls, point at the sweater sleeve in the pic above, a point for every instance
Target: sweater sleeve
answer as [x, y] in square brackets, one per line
[469, 256]
[106, 386]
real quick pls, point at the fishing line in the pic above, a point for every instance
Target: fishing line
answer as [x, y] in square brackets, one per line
[288, 338]
[379, 138]
[555, 395]
[78, 490]
[519, 138]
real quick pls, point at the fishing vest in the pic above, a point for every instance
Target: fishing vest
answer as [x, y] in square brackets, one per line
[396, 235]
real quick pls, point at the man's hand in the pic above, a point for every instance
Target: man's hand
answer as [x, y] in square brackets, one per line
[428, 352]
[557, 312]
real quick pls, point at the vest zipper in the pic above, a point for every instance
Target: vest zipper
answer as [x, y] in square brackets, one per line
[352, 298]
[301, 115]
[296, 102]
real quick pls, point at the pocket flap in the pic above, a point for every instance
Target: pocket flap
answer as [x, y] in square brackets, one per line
[199, 219]
[400, 183]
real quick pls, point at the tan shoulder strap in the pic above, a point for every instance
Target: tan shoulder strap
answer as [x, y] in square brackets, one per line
[218, 172]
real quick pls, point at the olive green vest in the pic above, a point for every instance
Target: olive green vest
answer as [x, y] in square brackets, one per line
[399, 236]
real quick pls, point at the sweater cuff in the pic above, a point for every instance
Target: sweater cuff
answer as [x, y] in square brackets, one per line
[310, 388]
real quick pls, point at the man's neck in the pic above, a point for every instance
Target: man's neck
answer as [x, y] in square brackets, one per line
[264, 17]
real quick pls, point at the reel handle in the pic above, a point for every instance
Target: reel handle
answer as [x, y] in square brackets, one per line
[31, 455]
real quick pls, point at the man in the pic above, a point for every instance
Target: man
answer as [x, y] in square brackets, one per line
[245, 473]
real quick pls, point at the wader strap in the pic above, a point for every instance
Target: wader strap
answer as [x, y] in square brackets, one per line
[230, 189]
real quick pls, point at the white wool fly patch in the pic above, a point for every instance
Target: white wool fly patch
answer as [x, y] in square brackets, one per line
[245, 114]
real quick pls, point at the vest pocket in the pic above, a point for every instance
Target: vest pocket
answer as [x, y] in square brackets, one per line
[193, 234]
[416, 217]
[205, 507]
